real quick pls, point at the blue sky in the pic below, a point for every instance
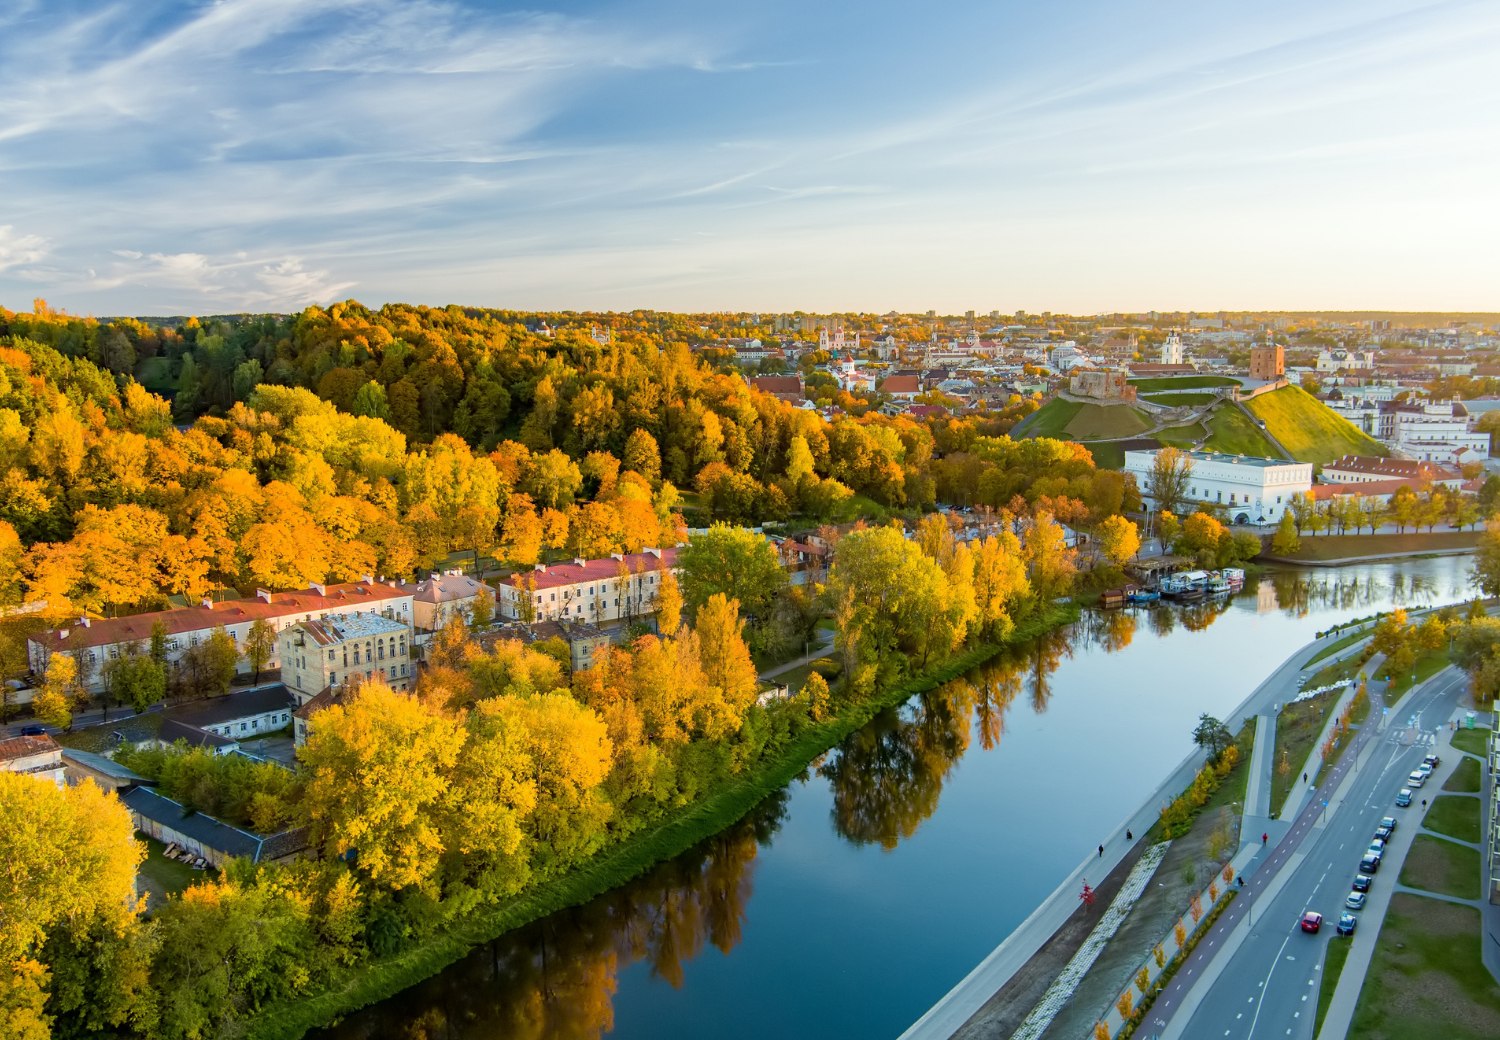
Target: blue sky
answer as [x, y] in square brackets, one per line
[1070, 156]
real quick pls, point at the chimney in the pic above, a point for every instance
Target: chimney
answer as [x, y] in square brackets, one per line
[321, 590]
[542, 567]
[262, 594]
[85, 622]
[367, 579]
[62, 633]
[207, 603]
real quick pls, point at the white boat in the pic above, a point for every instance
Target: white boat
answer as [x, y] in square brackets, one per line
[1235, 577]
[1218, 584]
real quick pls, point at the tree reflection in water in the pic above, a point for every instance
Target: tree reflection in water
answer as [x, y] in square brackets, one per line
[556, 979]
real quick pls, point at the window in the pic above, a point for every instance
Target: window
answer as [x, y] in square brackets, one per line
[330, 656]
[356, 655]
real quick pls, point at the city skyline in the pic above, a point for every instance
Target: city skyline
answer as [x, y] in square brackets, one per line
[269, 154]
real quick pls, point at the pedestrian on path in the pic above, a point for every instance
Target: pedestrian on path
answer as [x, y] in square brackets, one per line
[1129, 836]
[1304, 778]
[1101, 851]
[1264, 837]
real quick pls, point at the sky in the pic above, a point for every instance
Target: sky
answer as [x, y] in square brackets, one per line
[690, 155]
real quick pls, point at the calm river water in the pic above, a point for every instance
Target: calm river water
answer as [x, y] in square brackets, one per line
[856, 897]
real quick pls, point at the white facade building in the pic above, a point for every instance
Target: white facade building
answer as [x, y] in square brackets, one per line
[1171, 350]
[1250, 489]
[1439, 433]
[614, 588]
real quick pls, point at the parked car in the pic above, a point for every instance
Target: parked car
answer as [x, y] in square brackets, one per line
[1370, 864]
[1355, 901]
[1312, 921]
[1389, 823]
[1425, 770]
[1433, 761]
[33, 729]
[1416, 778]
[1382, 834]
[1347, 923]
[1403, 797]
[1362, 882]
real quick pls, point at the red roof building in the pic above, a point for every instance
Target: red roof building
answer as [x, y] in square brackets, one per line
[586, 590]
[94, 641]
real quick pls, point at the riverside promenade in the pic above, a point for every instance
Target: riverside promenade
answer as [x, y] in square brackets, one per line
[956, 1007]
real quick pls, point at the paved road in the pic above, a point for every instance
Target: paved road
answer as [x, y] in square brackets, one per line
[1265, 978]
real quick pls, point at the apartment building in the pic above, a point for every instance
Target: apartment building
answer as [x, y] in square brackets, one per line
[610, 589]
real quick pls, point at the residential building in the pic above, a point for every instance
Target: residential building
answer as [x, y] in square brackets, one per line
[323, 660]
[902, 388]
[36, 756]
[584, 640]
[1251, 490]
[1340, 360]
[441, 598]
[81, 766]
[611, 589]
[1268, 362]
[233, 717]
[1365, 469]
[1437, 432]
[93, 642]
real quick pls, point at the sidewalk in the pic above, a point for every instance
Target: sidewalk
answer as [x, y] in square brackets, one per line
[821, 651]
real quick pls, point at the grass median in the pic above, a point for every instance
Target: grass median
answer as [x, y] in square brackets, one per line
[1297, 730]
[1472, 741]
[1426, 979]
[1333, 967]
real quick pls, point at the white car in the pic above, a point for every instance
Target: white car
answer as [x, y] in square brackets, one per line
[1416, 779]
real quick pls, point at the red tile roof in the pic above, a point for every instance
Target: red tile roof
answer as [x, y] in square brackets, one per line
[556, 575]
[1359, 489]
[137, 627]
[24, 747]
[901, 385]
[1405, 468]
[778, 384]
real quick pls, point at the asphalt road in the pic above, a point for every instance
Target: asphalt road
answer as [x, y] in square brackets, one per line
[1268, 986]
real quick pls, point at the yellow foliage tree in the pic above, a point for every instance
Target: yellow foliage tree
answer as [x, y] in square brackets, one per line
[378, 768]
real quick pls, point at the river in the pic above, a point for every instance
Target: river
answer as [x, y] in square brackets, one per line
[848, 903]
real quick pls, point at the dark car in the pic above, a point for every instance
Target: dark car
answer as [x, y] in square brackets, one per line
[1382, 833]
[1369, 865]
[33, 730]
[1432, 761]
[1403, 797]
[1347, 924]
[1312, 921]
[1362, 882]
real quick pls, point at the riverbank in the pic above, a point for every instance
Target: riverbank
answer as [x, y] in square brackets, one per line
[375, 981]
[1332, 550]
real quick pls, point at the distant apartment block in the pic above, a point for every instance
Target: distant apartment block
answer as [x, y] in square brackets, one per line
[1251, 490]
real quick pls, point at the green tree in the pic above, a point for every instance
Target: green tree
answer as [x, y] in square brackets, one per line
[732, 561]
[54, 701]
[482, 613]
[136, 679]
[1213, 737]
[260, 645]
[1487, 560]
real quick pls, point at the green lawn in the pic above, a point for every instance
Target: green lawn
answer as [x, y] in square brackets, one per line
[1333, 967]
[160, 876]
[1474, 741]
[1465, 778]
[1427, 979]
[1344, 546]
[1180, 400]
[1338, 644]
[1107, 455]
[1050, 420]
[1181, 383]
[1444, 867]
[1103, 421]
[1308, 429]
[1297, 729]
[1234, 434]
[1455, 816]
[1182, 436]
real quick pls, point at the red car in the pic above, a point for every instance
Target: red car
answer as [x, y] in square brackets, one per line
[1312, 921]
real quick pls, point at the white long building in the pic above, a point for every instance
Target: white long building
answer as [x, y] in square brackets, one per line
[1251, 490]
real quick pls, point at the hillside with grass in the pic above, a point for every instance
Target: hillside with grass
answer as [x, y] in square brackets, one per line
[1308, 429]
[1077, 421]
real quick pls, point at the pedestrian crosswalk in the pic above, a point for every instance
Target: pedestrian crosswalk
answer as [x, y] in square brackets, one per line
[1411, 736]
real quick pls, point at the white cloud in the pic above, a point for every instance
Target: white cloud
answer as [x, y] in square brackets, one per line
[19, 250]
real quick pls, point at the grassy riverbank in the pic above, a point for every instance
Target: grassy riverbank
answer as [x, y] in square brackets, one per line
[377, 980]
[1331, 548]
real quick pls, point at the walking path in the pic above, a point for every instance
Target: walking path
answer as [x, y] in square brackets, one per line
[821, 651]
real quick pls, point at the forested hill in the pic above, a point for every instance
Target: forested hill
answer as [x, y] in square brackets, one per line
[342, 441]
